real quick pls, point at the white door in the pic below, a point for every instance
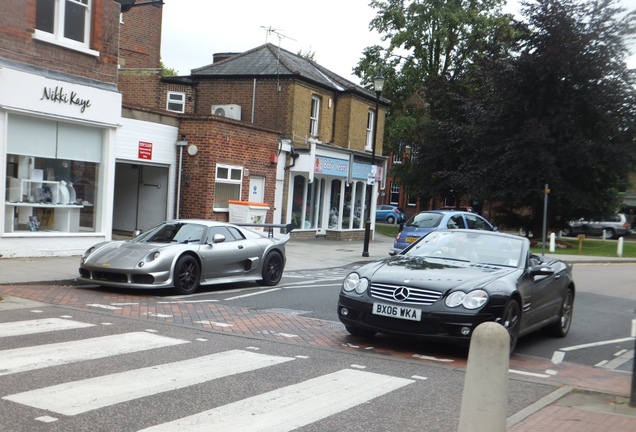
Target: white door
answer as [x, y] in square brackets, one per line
[257, 189]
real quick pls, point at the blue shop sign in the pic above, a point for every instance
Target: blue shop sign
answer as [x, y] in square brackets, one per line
[331, 166]
[361, 171]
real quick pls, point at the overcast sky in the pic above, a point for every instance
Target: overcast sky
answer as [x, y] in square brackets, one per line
[337, 31]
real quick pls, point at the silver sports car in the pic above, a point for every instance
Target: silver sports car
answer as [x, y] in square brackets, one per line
[185, 254]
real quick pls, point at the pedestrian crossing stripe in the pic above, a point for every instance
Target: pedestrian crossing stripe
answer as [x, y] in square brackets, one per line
[42, 356]
[70, 398]
[21, 328]
[291, 407]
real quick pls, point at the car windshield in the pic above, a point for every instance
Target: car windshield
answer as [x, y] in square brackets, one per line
[172, 232]
[425, 220]
[471, 246]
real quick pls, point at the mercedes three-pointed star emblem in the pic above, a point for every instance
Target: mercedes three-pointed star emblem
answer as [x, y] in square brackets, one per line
[401, 293]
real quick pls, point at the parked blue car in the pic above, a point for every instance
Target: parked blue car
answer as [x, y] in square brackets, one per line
[427, 221]
[389, 213]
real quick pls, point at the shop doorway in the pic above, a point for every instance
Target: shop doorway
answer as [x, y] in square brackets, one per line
[141, 196]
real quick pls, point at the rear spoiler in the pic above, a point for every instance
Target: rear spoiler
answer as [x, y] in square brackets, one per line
[269, 227]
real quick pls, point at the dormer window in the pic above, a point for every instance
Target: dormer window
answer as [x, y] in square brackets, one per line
[64, 22]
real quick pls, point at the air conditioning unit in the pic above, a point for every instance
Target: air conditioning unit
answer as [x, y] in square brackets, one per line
[229, 111]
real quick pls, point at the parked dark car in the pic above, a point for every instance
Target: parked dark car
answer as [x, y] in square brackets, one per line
[183, 254]
[614, 227]
[389, 213]
[427, 221]
[450, 281]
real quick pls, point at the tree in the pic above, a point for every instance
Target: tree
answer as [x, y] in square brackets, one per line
[168, 72]
[560, 110]
[430, 44]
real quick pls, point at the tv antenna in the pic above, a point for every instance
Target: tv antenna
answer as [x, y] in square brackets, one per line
[271, 30]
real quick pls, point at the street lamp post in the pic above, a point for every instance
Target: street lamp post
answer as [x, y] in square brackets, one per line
[378, 84]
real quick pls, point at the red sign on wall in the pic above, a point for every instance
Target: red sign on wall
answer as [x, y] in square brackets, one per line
[145, 150]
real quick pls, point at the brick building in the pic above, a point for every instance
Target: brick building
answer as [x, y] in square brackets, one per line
[264, 125]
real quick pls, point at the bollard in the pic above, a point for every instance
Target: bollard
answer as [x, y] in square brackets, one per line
[619, 248]
[581, 237]
[485, 397]
[552, 242]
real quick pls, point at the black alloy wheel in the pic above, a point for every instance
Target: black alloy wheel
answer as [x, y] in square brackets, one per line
[561, 327]
[511, 320]
[272, 269]
[186, 275]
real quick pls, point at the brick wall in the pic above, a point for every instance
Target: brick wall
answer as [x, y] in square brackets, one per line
[141, 38]
[17, 26]
[228, 142]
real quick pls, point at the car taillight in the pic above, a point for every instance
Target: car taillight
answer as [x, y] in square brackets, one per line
[625, 225]
[396, 211]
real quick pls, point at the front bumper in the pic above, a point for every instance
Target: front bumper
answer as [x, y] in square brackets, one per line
[435, 325]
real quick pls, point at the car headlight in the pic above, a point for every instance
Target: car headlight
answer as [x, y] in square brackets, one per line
[353, 281]
[151, 257]
[87, 253]
[472, 300]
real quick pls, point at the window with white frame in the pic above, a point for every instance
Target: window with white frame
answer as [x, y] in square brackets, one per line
[369, 143]
[176, 102]
[64, 22]
[394, 195]
[411, 200]
[314, 116]
[227, 186]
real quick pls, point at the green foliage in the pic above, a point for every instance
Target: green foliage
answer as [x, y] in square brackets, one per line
[308, 54]
[168, 72]
[495, 109]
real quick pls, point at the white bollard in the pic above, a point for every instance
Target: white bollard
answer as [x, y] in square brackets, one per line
[619, 248]
[485, 398]
[552, 242]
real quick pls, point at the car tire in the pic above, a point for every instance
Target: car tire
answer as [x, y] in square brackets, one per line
[566, 232]
[273, 267]
[610, 233]
[186, 275]
[355, 331]
[390, 219]
[561, 327]
[511, 320]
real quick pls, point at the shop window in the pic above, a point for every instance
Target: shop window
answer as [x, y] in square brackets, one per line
[52, 176]
[315, 116]
[227, 186]
[335, 208]
[306, 199]
[64, 22]
[176, 102]
[369, 143]
[354, 206]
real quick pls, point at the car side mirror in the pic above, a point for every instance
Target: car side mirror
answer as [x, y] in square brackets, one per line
[541, 270]
[218, 238]
[392, 253]
[136, 233]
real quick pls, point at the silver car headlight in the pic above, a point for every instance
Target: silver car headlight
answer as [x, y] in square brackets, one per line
[89, 251]
[471, 300]
[353, 282]
[151, 257]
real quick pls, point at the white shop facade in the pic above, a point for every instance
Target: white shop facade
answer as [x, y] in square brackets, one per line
[57, 156]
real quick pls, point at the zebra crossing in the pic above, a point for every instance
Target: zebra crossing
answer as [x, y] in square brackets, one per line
[282, 409]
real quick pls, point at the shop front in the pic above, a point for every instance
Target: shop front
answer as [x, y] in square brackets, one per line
[57, 143]
[329, 193]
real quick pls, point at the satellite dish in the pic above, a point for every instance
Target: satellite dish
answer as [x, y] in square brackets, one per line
[219, 111]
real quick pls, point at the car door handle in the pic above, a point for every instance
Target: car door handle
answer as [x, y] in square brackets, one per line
[240, 246]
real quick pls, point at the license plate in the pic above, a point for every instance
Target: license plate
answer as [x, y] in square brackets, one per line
[401, 312]
[411, 239]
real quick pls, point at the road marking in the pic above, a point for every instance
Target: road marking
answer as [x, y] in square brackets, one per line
[532, 374]
[557, 357]
[620, 359]
[291, 407]
[42, 356]
[423, 357]
[71, 398]
[103, 306]
[21, 328]
[253, 294]
[595, 344]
